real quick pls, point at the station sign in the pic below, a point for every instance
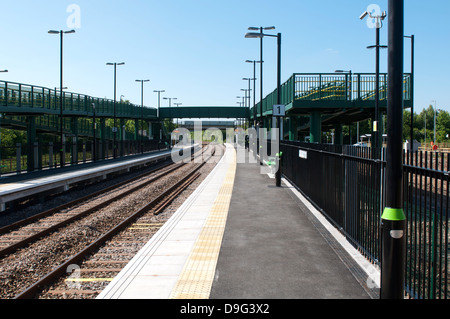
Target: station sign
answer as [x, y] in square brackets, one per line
[279, 110]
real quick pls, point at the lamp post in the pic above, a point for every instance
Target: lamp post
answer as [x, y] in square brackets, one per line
[159, 100]
[425, 121]
[379, 24]
[260, 29]
[412, 93]
[249, 89]
[142, 111]
[241, 104]
[170, 100]
[254, 90]
[115, 91]
[157, 113]
[61, 132]
[247, 98]
[434, 122]
[177, 105]
[278, 36]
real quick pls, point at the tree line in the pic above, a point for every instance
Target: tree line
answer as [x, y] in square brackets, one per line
[423, 127]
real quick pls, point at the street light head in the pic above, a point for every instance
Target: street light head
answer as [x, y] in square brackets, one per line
[253, 35]
[71, 31]
[269, 28]
[253, 29]
[53, 32]
[121, 63]
[365, 13]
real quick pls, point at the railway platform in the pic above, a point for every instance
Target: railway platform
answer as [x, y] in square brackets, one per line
[238, 236]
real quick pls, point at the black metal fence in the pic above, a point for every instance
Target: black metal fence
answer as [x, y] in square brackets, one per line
[347, 184]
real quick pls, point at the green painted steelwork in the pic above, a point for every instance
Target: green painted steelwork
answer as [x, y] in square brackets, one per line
[315, 136]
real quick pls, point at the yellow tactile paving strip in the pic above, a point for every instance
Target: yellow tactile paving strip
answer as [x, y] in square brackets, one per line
[197, 276]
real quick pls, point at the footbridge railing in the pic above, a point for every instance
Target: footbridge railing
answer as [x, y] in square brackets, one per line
[331, 90]
[18, 98]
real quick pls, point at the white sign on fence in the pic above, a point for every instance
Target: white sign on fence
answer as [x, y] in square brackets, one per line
[303, 154]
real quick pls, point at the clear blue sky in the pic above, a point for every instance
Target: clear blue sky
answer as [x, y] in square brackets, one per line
[195, 49]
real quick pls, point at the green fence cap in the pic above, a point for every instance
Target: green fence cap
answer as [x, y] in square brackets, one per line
[394, 214]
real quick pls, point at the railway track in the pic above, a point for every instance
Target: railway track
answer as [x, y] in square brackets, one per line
[26, 231]
[64, 245]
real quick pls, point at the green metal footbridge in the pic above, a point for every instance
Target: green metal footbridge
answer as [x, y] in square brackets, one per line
[329, 99]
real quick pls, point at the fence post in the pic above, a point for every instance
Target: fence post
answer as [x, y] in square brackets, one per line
[37, 156]
[18, 155]
[84, 152]
[50, 154]
[74, 151]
